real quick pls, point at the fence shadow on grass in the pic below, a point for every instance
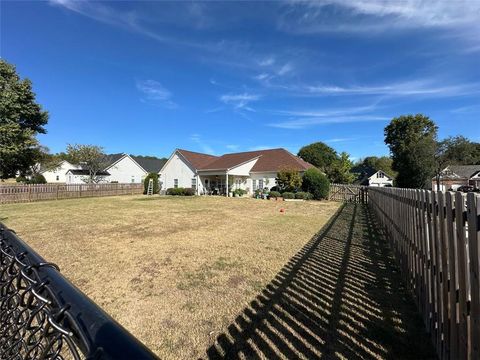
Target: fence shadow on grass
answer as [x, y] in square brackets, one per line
[340, 296]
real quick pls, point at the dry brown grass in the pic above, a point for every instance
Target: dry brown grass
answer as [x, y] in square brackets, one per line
[173, 271]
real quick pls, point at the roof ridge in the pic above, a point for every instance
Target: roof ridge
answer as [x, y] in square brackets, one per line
[196, 152]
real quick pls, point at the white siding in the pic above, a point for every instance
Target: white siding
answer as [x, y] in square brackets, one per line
[58, 175]
[176, 168]
[268, 180]
[126, 171]
[79, 179]
[244, 169]
[377, 180]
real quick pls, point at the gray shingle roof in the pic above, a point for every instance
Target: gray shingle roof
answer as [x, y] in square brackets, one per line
[150, 164]
[460, 171]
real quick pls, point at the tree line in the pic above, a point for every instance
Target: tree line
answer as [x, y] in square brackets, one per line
[416, 153]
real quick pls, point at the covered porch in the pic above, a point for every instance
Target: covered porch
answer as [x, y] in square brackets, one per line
[220, 183]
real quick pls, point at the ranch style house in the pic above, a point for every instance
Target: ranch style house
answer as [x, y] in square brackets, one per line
[213, 175]
[454, 176]
[119, 168]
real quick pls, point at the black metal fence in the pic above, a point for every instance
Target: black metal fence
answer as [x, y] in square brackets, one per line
[44, 316]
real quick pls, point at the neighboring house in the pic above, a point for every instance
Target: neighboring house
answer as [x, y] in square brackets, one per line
[80, 176]
[124, 168]
[58, 174]
[208, 174]
[454, 176]
[371, 177]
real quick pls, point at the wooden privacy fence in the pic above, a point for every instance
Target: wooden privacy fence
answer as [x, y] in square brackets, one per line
[348, 193]
[435, 238]
[27, 193]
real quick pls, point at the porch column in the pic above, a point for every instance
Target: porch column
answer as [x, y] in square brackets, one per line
[226, 182]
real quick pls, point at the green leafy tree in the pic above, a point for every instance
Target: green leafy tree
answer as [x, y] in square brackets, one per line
[289, 180]
[21, 119]
[320, 155]
[316, 183]
[89, 157]
[412, 143]
[374, 163]
[340, 171]
[156, 183]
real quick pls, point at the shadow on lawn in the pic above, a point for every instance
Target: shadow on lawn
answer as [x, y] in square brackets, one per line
[340, 296]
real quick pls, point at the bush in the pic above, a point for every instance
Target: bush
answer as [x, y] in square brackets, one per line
[240, 192]
[288, 195]
[275, 194]
[181, 191]
[316, 183]
[188, 192]
[21, 179]
[303, 195]
[37, 179]
[156, 186]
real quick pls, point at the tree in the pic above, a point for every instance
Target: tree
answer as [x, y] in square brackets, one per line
[458, 150]
[320, 155]
[89, 157]
[412, 143]
[21, 118]
[288, 180]
[156, 183]
[340, 171]
[374, 163]
[316, 183]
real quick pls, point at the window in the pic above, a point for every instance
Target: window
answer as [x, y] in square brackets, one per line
[175, 183]
[254, 185]
[380, 175]
[194, 183]
[260, 184]
[58, 177]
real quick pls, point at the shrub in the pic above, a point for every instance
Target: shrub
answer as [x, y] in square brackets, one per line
[316, 183]
[21, 179]
[240, 192]
[181, 191]
[188, 192]
[303, 195]
[156, 187]
[37, 179]
[275, 194]
[288, 195]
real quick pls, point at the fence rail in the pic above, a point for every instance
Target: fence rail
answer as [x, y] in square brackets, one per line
[43, 316]
[28, 193]
[435, 237]
[348, 193]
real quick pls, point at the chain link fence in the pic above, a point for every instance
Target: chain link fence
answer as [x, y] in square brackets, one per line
[44, 316]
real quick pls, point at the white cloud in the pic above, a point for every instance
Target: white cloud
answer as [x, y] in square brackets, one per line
[154, 92]
[232, 147]
[285, 69]
[300, 119]
[240, 101]
[267, 61]
[376, 15]
[206, 148]
[422, 87]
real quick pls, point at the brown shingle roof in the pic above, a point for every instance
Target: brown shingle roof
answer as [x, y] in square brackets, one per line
[198, 160]
[271, 160]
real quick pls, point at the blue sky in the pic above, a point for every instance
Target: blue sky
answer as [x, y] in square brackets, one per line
[148, 77]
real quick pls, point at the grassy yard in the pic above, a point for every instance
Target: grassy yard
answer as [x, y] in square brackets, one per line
[174, 271]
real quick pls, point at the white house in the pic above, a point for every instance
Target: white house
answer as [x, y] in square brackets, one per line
[80, 176]
[208, 174]
[121, 168]
[380, 179]
[59, 173]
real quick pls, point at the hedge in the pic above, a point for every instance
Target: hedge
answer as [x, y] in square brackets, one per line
[181, 191]
[274, 194]
[303, 195]
[288, 195]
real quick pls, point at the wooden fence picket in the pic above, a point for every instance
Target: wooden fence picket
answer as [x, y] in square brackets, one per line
[435, 238]
[29, 193]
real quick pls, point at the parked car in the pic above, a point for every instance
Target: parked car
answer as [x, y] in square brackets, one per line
[466, 188]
